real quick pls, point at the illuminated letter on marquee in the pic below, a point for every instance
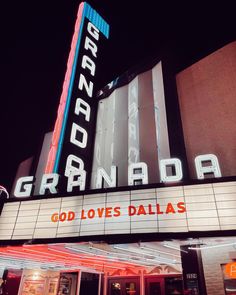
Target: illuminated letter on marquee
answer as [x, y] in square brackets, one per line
[49, 182]
[110, 180]
[24, 187]
[76, 179]
[138, 172]
[173, 164]
[212, 168]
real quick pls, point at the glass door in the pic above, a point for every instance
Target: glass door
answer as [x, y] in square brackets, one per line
[124, 286]
[11, 282]
[168, 285]
[89, 283]
[154, 286]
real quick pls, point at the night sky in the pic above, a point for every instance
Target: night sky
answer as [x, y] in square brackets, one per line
[35, 44]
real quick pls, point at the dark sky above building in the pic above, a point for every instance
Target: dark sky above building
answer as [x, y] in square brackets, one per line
[35, 43]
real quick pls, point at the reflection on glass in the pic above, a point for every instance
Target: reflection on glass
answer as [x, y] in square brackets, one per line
[229, 275]
[64, 285]
[154, 288]
[174, 286]
[230, 287]
[130, 288]
[115, 288]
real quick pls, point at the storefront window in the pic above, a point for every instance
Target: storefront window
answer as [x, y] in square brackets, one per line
[154, 288]
[124, 286]
[130, 288]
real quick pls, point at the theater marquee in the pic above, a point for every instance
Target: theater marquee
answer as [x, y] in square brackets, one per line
[103, 146]
[203, 207]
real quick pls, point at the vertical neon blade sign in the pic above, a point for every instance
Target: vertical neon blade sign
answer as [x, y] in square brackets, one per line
[72, 141]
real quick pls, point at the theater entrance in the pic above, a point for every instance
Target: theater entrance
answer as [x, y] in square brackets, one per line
[163, 285]
[154, 286]
[124, 286]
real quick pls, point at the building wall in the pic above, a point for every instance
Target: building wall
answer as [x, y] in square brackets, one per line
[23, 170]
[212, 260]
[206, 92]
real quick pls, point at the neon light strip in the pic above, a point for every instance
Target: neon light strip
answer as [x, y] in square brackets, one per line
[62, 133]
[44, 257]
[174, 247]
[213, 246]
[157, 259]
[2, 188]
[85, 10]
[109, 257]
[127, 257]
[21, 257]
[64, 95]
[158, 251]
